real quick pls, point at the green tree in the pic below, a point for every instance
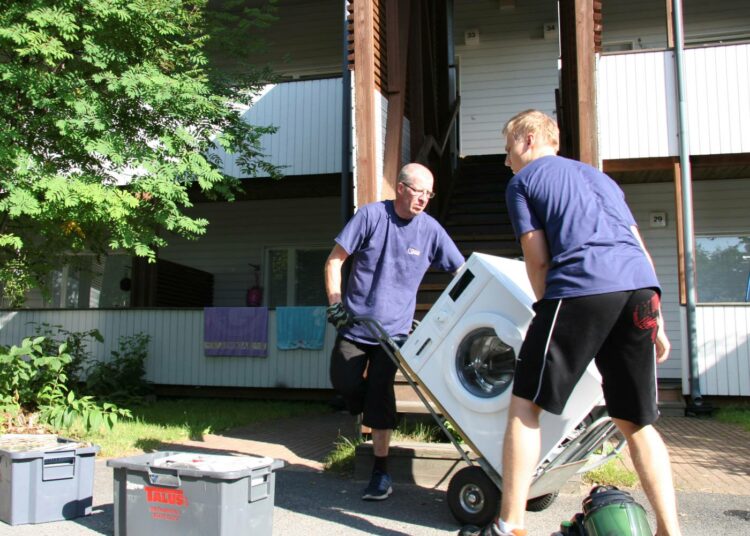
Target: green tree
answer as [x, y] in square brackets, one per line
[108, 112]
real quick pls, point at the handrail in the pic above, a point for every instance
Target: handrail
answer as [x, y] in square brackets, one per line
[430, 142]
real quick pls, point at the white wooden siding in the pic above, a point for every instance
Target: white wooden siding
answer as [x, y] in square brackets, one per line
[308, 117]
[636, 102]
[513, 68]
[636, 90]
[724, 349]
[175, 351]
[718, 99]
[239, 232]
[719, 207]
[662, 245]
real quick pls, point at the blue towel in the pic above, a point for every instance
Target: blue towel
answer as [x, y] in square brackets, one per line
[235, 331]
[300, 327]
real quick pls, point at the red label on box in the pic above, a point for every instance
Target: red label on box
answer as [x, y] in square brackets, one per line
[174, 497]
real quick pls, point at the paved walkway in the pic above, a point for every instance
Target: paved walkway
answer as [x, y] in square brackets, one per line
[707, 456]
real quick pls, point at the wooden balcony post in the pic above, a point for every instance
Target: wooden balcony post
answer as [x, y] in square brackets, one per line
[364, 101]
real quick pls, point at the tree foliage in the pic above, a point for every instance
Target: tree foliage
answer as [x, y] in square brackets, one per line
[108, 112]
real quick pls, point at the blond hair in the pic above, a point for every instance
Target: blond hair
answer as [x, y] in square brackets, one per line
[534, 122]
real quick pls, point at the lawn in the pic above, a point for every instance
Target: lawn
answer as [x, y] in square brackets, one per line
[174, 420]
[739, 414]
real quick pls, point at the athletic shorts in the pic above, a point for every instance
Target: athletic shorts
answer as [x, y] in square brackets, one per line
[363, 374]
[617, 330]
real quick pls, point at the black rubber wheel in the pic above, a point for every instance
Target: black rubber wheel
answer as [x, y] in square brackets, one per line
[472, 497]
[537, 504]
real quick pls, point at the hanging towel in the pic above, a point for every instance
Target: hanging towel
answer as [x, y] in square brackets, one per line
[235, 331]
[300, 327]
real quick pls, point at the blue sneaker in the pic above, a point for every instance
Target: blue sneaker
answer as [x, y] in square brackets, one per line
[379, 487]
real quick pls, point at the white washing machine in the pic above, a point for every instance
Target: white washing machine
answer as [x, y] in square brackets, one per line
[463, 354]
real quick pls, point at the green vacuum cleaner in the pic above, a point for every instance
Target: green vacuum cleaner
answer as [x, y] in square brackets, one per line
[607, 511]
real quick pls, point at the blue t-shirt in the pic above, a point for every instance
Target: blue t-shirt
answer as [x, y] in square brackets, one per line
[390, 256]
[587, 224]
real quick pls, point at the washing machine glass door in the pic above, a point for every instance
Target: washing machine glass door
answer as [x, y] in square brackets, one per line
[484, 363]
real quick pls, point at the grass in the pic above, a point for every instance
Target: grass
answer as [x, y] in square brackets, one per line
[341, 458]
[739, 415]
[173, 420]
[612, 473]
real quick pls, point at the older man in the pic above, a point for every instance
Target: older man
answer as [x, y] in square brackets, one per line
[391, 244]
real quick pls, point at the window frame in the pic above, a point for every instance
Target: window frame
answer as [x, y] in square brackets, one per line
[723, 234]
[291, 250]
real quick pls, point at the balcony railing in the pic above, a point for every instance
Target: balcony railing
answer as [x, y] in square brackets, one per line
[637, 102]
[308, 117]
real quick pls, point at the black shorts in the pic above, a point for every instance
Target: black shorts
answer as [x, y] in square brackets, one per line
[363, 374]
[617, 329]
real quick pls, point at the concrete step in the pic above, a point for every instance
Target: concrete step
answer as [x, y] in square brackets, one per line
[671, 400]
[426, 464]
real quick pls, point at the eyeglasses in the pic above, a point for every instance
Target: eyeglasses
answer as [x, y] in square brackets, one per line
[428, 193]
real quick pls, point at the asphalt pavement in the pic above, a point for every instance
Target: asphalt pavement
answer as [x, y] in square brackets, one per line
[312, 503]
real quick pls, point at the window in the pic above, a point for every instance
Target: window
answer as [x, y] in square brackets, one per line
[618, 46]
[723, 268]
[295, 276]
[89, 282]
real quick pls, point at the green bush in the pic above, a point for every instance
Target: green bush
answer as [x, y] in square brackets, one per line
[121, 380]
[33, 379]
[76, 343]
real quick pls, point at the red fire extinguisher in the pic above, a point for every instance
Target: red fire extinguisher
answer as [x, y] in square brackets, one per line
[254, 296]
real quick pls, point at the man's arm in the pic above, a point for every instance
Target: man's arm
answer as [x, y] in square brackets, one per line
[536, 257]
[333, 268]
[662, 342]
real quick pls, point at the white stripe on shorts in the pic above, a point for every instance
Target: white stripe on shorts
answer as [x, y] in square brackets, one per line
[546, 349]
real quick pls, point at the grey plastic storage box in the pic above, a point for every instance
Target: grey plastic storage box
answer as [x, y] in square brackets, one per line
[184, 494]
[37, 486]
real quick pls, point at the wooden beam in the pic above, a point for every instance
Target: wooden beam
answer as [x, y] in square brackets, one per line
[416, 80]
[670, 23]
[364, 98]
[666, 162]
[586, 86]
[638, 164]
[680, 222]
[397, 36]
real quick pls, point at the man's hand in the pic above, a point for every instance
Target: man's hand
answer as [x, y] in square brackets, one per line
[662, 343]
[338, 316]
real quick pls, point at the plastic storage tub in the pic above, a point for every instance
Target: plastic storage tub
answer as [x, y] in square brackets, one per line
[183, 494]
[52, 479]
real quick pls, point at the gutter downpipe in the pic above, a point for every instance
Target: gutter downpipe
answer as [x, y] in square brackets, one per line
[346, 124]
[688, 232]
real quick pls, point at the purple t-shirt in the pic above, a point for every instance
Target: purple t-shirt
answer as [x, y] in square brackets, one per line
[389, 257]
[587, 224]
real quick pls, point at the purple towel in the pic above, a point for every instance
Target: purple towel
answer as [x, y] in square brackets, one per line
[235, 331]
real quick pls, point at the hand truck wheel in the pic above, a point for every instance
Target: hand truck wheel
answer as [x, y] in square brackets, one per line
[472, 497]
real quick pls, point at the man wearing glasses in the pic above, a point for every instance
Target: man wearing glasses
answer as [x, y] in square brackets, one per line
[391, 244]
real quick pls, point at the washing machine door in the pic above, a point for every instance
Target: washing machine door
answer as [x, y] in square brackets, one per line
[485, 363]
[484, 348]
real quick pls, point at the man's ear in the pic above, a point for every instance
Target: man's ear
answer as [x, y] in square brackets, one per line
[530, 140]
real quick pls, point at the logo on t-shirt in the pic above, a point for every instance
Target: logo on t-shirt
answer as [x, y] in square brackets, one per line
[412, 251]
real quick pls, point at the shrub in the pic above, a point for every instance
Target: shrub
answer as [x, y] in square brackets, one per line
[122, 379]
[76, 343]
[34, 379]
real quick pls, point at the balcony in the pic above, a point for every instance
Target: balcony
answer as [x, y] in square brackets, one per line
[307, 114]
[637, 102]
